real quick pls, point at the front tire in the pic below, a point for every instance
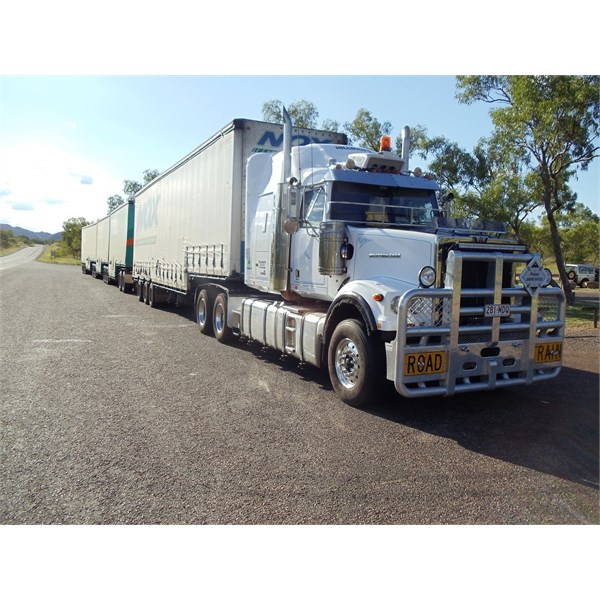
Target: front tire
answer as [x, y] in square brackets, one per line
[354, 364]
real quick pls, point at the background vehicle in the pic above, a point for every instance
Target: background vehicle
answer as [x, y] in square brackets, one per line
[583, 275]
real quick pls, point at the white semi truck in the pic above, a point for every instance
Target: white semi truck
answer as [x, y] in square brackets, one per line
[345, 259]
[107, 247]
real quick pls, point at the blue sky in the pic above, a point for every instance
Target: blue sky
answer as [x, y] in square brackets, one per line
[87, 101]
[68, 142]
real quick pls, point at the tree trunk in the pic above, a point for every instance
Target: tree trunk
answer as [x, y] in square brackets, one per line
[560, 263]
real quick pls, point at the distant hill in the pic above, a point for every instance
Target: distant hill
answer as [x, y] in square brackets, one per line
[32, 235]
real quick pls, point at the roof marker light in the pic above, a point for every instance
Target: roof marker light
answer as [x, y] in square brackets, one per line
[385, 143]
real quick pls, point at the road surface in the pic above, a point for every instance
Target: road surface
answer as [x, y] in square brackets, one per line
[20, 257]
[116, 413]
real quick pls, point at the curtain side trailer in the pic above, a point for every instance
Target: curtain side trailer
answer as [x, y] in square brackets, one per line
[107, 246]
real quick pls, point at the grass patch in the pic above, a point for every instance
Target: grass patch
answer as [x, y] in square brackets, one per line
[577, 317]
[57, 254]
[12, 249]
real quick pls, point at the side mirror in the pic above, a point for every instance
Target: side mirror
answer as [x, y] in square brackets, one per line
[445, 201]
[291, 225]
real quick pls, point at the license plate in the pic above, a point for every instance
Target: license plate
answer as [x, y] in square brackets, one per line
[425, 363]
[548, 352]
[497, 310]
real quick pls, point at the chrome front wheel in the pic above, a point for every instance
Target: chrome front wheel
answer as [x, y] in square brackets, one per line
[354, 363]
[347, 363]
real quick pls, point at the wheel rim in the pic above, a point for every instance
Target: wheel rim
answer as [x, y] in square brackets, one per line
[219, 318]
[201, 312]
[347, 363]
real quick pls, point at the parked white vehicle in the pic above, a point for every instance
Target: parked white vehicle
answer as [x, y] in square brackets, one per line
[582, 275]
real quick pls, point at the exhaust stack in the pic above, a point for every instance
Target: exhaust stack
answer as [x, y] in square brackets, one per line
[287, 145]
[405, 146]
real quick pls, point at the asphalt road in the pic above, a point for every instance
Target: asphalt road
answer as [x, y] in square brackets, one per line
[20, 258]
[116, 413]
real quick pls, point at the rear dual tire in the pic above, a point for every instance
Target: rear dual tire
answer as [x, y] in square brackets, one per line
[204, 312]
[221, 329]
[211, 316]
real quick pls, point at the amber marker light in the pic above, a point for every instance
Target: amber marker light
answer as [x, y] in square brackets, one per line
[377, 297]
[385, 143]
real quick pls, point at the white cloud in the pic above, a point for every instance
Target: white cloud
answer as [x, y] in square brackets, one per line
[42, 186]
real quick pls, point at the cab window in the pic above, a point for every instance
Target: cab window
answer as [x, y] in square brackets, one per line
[314, 206]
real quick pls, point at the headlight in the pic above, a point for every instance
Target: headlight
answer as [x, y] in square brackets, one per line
[427, 276]
[395, 303]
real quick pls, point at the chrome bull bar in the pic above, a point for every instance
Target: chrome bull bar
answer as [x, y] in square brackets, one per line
[444, 347]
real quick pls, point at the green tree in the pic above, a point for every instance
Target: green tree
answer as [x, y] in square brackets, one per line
[130, 189]
[580, 234]
[7, 239]
[71, 235]
[555, 121]
[365, 130]
[331, 125]
[114, 201]
[149, 175]
[487, 183]
[303, 113]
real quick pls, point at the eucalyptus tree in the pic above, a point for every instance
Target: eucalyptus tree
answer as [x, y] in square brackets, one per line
[365, 130]
[303, 113]
[487, 182]
[555, 121]
[130, 189]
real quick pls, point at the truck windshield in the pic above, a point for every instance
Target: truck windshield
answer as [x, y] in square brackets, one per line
[378, 205]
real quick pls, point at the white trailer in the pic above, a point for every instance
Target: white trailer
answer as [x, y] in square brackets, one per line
[120, 254]
[102, 248]
[89, 242]
[107, 247]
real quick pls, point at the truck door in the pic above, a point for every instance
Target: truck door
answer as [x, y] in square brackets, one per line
[305, 277]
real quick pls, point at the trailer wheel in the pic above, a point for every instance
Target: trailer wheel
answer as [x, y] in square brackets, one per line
[152, 296]
[146, 292]
[139, 288]
[223, 332]
[204, 313]
[120, 281]
[353, 363]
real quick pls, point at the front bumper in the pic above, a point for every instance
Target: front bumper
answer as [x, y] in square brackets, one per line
[443, 348]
